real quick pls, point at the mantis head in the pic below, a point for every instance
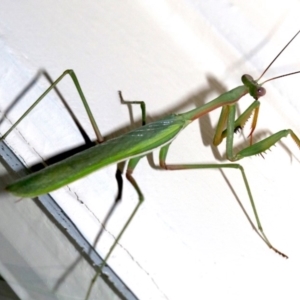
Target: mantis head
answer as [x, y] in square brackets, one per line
[255, 89]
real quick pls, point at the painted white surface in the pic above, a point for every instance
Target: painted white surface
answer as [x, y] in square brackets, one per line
[190, 239]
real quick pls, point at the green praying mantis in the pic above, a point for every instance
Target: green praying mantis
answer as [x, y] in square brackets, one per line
[136, 144]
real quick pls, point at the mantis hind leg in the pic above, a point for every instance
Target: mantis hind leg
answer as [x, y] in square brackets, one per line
[259, 231]
[73, 76]
[141, 103]
[131, 165]
[120, 166]
[130, 168]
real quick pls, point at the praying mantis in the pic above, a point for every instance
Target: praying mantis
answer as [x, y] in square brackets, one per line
[136, 144]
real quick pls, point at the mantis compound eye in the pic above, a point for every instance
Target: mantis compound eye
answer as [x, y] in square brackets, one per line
[261, 92]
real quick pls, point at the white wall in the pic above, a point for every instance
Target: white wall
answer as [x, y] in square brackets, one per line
[190, 239]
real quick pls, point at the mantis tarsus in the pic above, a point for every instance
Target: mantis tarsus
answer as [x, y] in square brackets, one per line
[159, 134]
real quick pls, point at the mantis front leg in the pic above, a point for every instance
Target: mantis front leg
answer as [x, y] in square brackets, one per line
[239, 123]
[256, 148]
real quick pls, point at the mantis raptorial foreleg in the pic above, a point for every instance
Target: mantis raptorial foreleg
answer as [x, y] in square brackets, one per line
[239, 123]
[228, 115]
